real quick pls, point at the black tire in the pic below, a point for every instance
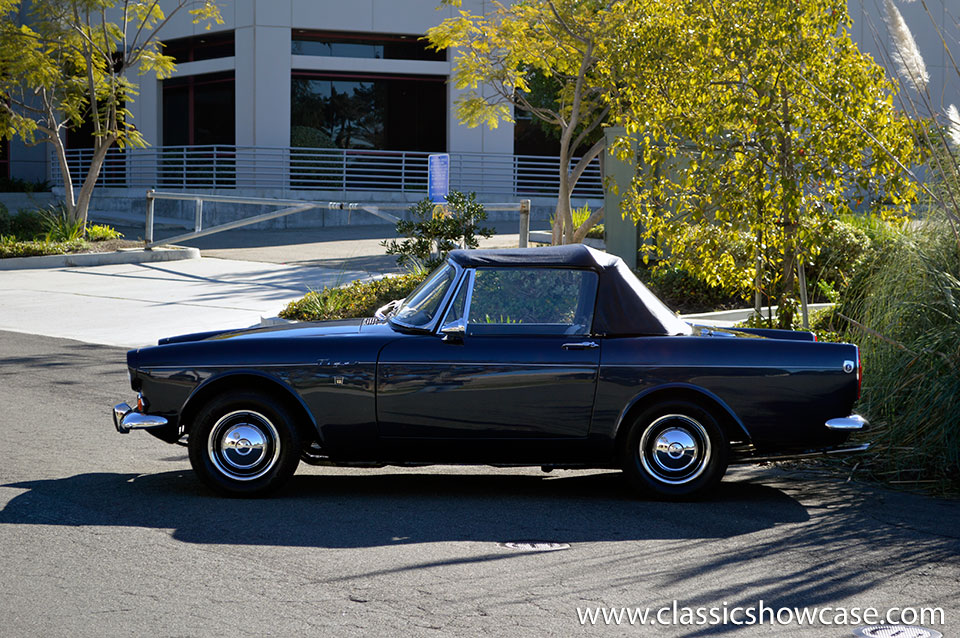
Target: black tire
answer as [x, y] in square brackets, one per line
[244, 444]
[675, 450]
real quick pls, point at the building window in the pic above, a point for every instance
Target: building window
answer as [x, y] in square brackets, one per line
[383, 112]
[361, 45]
[199, 110]
[201, 47]
[530, 136]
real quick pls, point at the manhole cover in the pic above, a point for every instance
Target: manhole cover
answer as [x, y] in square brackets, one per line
[535, 546]
[896, 631]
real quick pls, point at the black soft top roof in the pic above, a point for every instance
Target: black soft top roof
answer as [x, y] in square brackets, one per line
[625, 307]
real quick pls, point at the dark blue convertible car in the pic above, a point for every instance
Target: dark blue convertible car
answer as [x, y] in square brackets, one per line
[555, 357]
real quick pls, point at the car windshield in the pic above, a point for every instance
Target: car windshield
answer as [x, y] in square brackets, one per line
[422, 305]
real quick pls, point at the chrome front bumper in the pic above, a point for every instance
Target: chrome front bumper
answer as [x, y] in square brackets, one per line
[847, 423]
[126, 418]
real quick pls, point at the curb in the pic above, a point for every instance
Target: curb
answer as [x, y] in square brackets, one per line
[130, 256]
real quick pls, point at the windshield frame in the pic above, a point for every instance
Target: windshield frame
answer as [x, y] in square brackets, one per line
[441, 307]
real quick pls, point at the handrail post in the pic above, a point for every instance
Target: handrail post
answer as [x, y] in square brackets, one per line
[148, 231]
[524, 222]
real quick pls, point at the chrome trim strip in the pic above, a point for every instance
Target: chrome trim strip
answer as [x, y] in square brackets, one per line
[302, 364]
[852, 422]
[709, 365]
[486, 364]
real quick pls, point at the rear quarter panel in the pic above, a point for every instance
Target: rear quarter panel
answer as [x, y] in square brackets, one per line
[782, 392]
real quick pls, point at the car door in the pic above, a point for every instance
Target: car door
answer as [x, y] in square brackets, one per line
[513, 360]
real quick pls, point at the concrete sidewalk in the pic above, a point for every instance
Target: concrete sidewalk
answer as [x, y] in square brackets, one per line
[243, 275]
[133, 305]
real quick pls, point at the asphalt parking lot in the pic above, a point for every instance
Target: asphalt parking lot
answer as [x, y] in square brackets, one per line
[103, 534]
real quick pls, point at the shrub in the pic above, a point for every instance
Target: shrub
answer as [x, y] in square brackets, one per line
[685, 293]
[843, 248]
[17, 185]
[358, 299]
[4, 220]
[10, 247]
[435, 231]
[97, 232]
[27, 225]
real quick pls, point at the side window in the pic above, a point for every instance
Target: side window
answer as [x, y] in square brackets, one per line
[532, 301]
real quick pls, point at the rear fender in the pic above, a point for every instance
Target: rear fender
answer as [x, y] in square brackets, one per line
[729, 421]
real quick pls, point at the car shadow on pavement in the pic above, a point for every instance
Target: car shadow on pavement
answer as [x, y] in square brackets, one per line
[384, 508]
[749, 543]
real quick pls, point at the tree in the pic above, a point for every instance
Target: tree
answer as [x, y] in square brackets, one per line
[65, 62]
[503, 55]
[763, 123]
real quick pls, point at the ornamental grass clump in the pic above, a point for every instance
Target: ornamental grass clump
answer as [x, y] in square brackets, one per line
[904, 311]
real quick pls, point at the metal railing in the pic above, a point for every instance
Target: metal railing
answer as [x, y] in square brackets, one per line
[343, 170]
[293, 206]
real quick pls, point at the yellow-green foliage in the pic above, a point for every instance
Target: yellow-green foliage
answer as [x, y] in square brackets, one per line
[756, 123]
[98, 232]
[10, 247]
[545, 57]
[66, 63]
[358, 299]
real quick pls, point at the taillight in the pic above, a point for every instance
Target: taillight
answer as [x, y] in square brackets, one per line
[859, 373]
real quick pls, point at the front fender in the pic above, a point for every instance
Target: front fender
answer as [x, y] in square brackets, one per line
[243, 379]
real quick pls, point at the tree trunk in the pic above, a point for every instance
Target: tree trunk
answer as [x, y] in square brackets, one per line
[563, 218]
[593, 220]
[53, 134]
[93, 173]
[68, 195]
[790, 220]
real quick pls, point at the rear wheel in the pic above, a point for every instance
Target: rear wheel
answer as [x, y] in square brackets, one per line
[675, 450]
[244, 444]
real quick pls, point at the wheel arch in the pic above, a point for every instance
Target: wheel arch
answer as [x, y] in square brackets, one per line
[252, 381]
[729, 422]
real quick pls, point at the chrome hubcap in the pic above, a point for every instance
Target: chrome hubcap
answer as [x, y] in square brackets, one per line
[243, 445]
[675, 449]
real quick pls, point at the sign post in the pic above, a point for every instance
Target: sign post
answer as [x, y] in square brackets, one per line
[438, 177]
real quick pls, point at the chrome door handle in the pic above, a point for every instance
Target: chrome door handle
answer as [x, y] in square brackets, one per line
[581, 345]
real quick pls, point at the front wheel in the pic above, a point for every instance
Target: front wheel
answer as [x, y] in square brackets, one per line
[244, 444]
[675, 450]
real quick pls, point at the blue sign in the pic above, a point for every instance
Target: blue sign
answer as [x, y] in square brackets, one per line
[438, 177]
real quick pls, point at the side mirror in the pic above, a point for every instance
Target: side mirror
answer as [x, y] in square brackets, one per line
[454, 331]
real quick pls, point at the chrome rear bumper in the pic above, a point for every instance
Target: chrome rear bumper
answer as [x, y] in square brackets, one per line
[852, 422]
[126, 418]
